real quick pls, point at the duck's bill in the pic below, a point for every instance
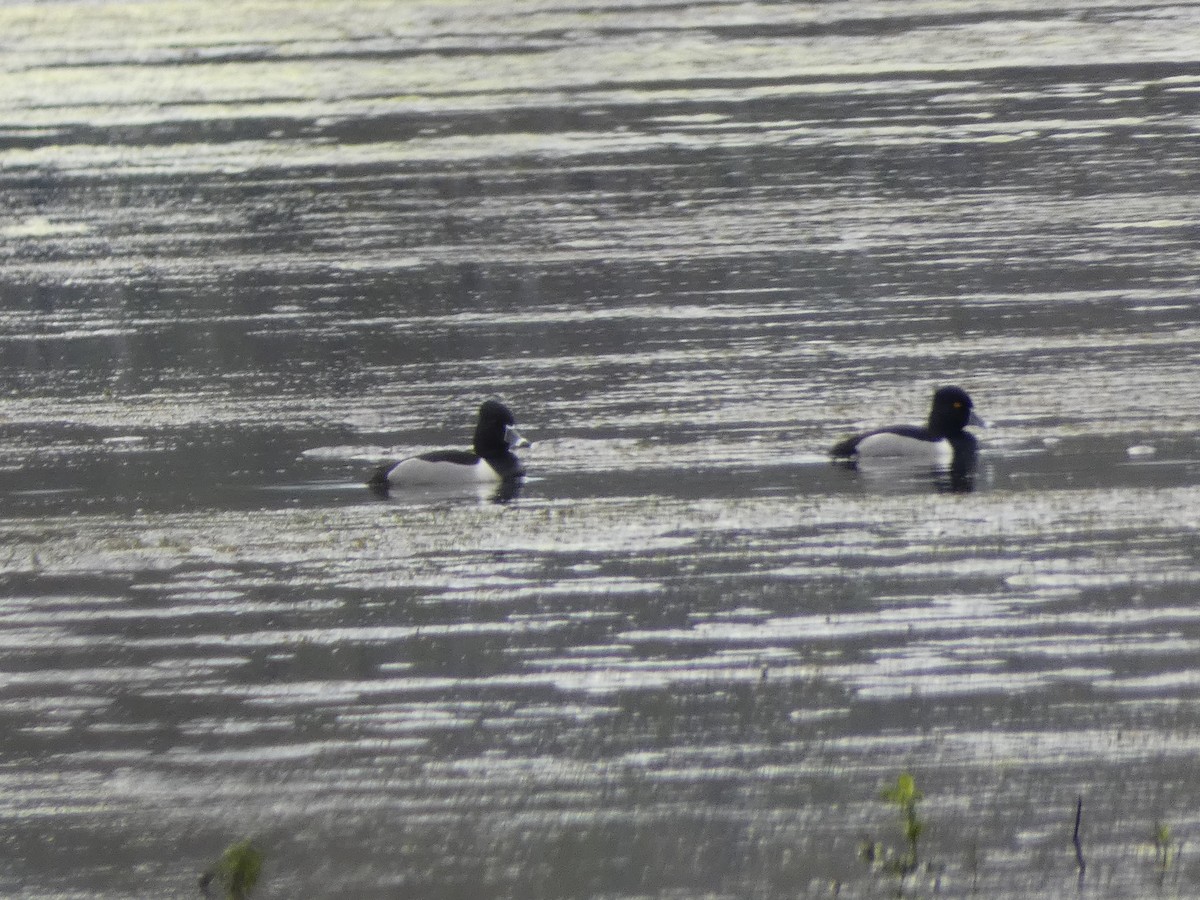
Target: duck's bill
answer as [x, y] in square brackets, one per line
[976, 421]
[513, 438]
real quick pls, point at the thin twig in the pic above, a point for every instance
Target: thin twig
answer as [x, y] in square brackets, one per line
[1079, 861]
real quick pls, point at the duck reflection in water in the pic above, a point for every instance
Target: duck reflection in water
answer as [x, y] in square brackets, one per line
[502, 492]
[942, 449]
[489, 470]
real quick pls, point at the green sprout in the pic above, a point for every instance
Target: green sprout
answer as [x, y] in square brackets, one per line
[1165, 850]
[236, 872]
[904, 796]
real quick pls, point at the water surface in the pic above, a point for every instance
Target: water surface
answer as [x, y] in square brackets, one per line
[248, 256]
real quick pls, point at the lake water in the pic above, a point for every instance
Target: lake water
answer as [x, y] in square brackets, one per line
[250, 252]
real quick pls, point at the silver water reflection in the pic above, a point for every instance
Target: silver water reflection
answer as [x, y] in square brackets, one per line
[247, 256]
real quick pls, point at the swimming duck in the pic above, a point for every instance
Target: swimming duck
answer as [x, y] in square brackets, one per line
[942, 443]
[490, 460]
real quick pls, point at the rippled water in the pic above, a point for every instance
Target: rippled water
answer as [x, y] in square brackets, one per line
[248, 255]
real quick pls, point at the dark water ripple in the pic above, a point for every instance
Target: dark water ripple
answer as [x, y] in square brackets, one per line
[246, 256]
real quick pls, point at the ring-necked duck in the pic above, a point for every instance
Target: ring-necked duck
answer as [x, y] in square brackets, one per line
[491, 459]
[942, 443]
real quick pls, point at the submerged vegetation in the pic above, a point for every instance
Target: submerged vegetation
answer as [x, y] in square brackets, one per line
[235, 873]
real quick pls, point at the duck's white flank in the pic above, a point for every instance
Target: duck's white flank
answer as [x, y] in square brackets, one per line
[886, 445]
[422, 471]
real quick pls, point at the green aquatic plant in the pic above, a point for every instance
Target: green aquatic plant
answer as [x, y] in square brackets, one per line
[904, 795]
[236, 872]
[1166, 850]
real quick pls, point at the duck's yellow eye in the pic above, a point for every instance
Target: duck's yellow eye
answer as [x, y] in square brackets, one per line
[957, 405]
